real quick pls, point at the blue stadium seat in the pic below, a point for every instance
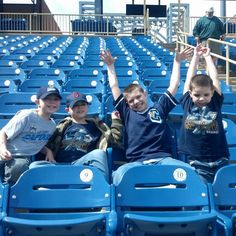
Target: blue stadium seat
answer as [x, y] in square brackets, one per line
[149, 75]
[7, 86]
[7, 63]
[158, 86]
[229, 111]
[66, 65]
[152, 64]
[126, 64]
[71, 57]
[33, 85]
[15, 74]
[32, 64]
[3, 122]
[52, 51]
[3, 203]
[163, 200]
[95, 65]
[85, 86]
[84, 73]
[230, 132]
[44, 57]
[48, 74]
[224, 196]
[230, 98]
[125, 73]
[225, 88]
[60, 200]
[75, 50]
[28, 51]
[11, 103]
[17, 58]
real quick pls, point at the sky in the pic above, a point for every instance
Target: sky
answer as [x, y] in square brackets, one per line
[197, 7]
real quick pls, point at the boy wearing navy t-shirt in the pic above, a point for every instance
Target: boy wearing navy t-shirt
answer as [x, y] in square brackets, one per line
[147, 135]
[202, 136]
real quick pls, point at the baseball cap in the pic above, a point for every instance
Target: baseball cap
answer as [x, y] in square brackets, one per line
[211, 9]
[43, 92]
[75, 97]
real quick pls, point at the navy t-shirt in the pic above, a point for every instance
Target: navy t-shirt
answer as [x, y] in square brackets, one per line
[202, 134]
[147, 134]
[78, 140]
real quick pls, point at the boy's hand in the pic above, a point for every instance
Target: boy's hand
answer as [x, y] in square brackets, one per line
[198, 50]
[206, 51]
[5, 154]
[107, 57]
[115, 115]
[49, 156]
[184, 54]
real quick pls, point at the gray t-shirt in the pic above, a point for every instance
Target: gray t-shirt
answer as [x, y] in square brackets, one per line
[28, 133]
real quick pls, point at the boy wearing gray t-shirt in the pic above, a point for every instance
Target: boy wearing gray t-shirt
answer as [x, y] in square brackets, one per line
[27, 133]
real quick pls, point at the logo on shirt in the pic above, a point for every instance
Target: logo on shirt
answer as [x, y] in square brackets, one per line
[202, 121]
[77, 138]
[154, 115]
[34, 135]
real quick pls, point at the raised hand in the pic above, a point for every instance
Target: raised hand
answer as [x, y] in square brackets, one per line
[184, 54]
[107, 57]
[206, 51]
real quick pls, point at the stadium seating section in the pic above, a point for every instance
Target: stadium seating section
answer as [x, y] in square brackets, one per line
[149, 200]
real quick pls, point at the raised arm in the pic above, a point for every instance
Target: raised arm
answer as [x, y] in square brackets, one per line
[175, 75]
[192, 67]
[113, 82]
[211, 68]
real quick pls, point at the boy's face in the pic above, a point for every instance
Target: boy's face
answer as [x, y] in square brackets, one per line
[50, 104]
[137, 100]
[79, 110]
[201, 96]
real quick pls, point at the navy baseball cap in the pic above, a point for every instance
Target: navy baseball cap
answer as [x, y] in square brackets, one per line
[75, 97]
[43, 92]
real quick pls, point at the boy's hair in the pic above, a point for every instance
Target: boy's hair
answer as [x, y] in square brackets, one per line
[131, 87]
[201, 81]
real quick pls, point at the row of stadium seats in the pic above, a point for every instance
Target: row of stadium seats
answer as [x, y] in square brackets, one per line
[149, 200]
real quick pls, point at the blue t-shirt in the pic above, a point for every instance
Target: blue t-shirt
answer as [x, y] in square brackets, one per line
[202, 134]
[78, 140]
[147, 134]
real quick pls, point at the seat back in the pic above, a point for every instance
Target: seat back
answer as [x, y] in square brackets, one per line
[33, 85]
[3, 203]
[155, 74]
[59, 200]
[163, 200]
[96, 74]
[7, 86]
[48, 74]
[12, 103]
[15, 74]
[85, 86]
[224, 190]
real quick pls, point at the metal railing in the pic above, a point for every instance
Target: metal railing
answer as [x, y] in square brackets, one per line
[46, 23]
[182, 41]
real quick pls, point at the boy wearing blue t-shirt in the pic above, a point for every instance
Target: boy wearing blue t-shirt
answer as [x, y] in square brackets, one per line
[147, 135]
[202, 136]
